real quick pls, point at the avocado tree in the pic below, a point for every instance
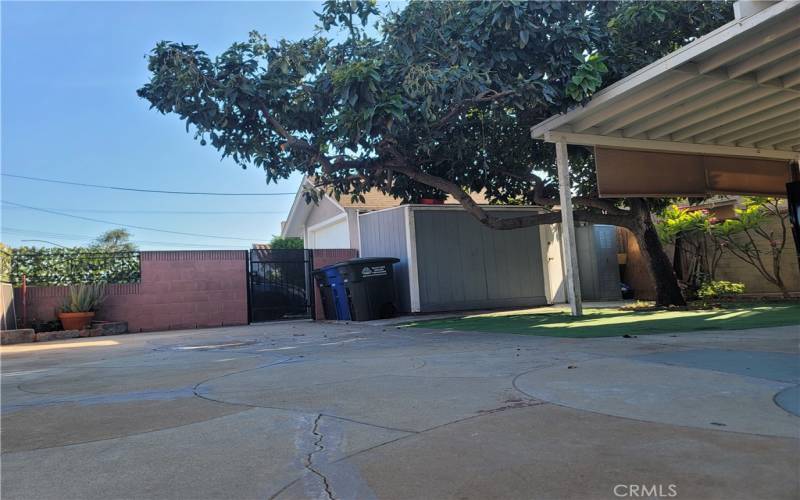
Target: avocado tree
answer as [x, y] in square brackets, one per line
[439, 101]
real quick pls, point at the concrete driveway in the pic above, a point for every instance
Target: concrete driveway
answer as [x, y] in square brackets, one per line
[302, 410]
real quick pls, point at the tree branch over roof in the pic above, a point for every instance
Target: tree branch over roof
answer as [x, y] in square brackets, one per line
[363, 113]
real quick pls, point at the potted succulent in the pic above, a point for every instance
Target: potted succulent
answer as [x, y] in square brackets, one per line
[80, 305]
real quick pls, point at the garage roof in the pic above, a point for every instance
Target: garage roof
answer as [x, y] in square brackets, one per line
[735, 92]
[373, 200]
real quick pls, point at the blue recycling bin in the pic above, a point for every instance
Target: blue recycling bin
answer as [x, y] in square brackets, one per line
[326, 295]
[338, 292]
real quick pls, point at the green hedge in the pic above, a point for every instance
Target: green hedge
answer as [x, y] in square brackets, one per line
[70, 266]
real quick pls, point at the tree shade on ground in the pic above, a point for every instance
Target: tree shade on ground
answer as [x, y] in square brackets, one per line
[552, 322]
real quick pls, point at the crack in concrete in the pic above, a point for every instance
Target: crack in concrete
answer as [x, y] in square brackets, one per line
[318, 447]
[513, 404]
[377, 426]
[385, 443]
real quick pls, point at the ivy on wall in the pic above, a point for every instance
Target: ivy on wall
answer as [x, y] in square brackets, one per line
[69, 266]
[5, 263]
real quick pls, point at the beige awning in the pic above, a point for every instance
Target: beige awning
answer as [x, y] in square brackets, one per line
[623, 173]
[732, 93]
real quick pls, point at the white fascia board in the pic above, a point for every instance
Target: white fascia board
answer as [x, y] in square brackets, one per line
[666, 146]
[336, 203]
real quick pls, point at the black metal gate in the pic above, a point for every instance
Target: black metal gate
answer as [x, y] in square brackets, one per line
[280, 284]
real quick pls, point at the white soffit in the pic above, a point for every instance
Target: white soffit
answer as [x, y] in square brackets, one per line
[733, 92]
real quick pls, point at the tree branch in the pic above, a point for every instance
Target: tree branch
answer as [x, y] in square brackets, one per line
[483, 97]
[504, 223]
[540, 199]
[396, 162]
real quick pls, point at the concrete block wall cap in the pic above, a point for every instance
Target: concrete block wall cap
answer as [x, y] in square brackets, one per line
[18, 336]
[58, 335]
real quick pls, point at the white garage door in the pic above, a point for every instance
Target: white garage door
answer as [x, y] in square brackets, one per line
[331, 236]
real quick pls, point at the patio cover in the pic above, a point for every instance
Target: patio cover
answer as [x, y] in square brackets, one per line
[669, 127]
[733, 92]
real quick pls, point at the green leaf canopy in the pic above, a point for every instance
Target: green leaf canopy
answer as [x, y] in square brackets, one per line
[437, 99]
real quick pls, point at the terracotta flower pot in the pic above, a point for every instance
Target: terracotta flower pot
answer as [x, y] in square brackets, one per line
[75, 321]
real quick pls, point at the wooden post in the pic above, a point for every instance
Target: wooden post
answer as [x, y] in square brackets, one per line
[568, 231]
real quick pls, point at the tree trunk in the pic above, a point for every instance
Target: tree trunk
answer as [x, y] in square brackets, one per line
[782, 287]
[677, 258]
[668, 293]
[776, 271]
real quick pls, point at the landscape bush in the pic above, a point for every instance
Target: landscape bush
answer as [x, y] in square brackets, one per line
[720, 289]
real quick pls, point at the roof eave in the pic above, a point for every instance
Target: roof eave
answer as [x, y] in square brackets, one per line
[297, 213]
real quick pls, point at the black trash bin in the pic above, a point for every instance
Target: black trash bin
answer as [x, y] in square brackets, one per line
[326, 294]
[369, 287]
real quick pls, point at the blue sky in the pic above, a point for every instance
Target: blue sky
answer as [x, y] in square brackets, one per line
[70, 111]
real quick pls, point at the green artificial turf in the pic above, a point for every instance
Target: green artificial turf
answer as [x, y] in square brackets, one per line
[613, 322]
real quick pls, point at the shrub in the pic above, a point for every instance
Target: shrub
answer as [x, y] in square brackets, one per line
[288, 243]
[720, 289]
[84, 298]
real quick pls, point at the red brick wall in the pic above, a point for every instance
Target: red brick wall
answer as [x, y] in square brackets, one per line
[325, 257]
[182, 289]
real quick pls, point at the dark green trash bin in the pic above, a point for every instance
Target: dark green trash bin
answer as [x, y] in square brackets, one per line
[369, 287]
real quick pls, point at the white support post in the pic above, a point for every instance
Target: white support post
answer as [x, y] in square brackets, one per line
[568, 231]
